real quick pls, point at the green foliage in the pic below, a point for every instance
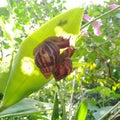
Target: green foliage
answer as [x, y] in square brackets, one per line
[96, 63]
[101, 67]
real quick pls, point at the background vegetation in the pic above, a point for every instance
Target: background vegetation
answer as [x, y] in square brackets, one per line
[94, 85]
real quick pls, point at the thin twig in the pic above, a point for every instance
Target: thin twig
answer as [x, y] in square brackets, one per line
[104, 14]
[71, 99]
[117, 114]
[109, 111]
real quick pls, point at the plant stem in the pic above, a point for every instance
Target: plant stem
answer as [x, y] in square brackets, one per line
[71, 99]
[109, 111]
[64, 117]
[104, 14]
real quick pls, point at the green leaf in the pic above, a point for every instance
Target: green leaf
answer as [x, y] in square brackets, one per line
[55, 114]
[105, 51]
[82, 111]
[25, 77]
[26, 106]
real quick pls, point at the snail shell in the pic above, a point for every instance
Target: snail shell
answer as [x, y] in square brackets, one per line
[46, 57]
[63, 69]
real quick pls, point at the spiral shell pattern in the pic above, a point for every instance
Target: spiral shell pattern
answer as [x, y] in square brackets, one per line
[46, 57]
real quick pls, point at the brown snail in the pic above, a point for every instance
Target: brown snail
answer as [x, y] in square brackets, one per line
[63, 69]
[49, 60]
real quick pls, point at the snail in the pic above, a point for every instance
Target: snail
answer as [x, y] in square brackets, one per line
[63, 69]
[49, 60]
[64, 64]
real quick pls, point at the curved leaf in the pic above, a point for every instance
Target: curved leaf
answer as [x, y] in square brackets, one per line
[25, 77]
[26, 106]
